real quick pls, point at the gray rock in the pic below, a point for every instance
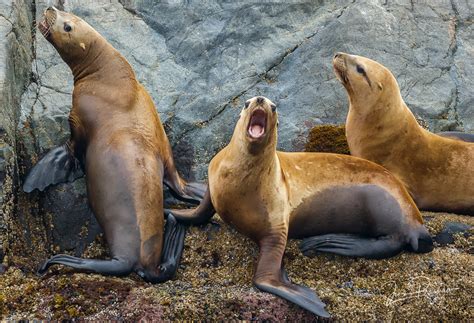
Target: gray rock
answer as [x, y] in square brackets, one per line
[15, 62]
[450, 229]
[200, 61]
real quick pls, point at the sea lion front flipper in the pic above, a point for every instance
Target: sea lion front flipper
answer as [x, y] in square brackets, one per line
[191, 192]
[352, 245]
[298, 295]
[58, 166]
[271, 278]
[467, 137]
[199, 215]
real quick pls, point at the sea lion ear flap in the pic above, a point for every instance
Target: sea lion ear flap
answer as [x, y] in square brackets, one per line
[83, 46]
[380, 86]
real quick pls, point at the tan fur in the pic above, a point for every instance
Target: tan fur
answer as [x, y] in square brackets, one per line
[260, 193]
[437, 171]
[271, 196]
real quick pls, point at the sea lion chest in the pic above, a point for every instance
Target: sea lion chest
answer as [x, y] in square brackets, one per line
[99, 106]
[246, 197]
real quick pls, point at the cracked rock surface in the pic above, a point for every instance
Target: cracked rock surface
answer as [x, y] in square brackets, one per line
[200, 61]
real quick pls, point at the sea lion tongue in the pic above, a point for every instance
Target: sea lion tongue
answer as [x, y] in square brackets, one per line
[257, 124]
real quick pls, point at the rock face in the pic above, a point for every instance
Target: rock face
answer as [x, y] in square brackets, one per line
[15, 69]
[200, 61]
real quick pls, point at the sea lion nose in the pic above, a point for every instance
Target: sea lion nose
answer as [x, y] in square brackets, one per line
[337, 55]
[260, 99]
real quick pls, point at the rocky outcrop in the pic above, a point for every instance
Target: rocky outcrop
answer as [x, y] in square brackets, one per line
[214, 283]
[201, 60]
[15, 60]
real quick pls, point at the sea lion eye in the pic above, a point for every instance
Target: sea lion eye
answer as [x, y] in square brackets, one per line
[67, 27]
[247, 104]
[274, 107]
[360, 69]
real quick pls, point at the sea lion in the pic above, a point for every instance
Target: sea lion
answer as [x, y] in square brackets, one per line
[340, 204]
[118, 141]
[437, 171]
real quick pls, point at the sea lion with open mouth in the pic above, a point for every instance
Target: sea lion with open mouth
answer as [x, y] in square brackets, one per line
[340, 204]
[438, 171]
[118, 141]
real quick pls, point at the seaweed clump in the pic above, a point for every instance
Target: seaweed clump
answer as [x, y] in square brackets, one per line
[328, 139]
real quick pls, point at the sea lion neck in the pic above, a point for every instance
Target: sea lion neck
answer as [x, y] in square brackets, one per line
[380, 110]
[102, 61]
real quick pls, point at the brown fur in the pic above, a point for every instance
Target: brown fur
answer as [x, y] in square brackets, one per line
[117, 134]
[267, 195]
[437, 171]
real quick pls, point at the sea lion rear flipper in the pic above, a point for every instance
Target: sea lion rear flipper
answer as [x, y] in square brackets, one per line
[199, 215]
[173, 246]
[352, 245]
[57, 166]
[113, 267]
[467, 137]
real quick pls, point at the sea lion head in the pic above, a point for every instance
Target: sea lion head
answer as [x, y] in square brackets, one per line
[257, 126]
[72, 37]
[366, 81]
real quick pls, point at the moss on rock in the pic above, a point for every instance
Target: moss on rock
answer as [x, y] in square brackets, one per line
[215, 282]
[327, 138]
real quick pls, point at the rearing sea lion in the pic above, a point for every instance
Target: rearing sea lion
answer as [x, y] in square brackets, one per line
[118, 141]
[437, 171]
[341, 204]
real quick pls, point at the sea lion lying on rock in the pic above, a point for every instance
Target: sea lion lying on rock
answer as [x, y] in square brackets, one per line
[340, 204]
[436, 170]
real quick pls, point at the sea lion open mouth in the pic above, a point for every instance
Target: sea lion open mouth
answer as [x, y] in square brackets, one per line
[49, 18]
[257, 124]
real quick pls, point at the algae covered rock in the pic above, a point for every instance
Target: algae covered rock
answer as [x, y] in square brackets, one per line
[327, 139]
[215, 282]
